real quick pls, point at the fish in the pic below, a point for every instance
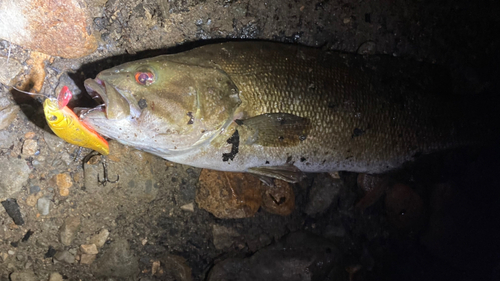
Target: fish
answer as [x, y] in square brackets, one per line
[277, 110]
[67, 125]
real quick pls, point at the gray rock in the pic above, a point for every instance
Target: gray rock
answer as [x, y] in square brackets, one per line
[64, 256]
[68, 230]
[34, 189]
[299, 257]
[322, 194]
[7, 115]
[9, 69]
[117, 261]
[23, 276]
[100, 238]
[14, 174]
[43, 205]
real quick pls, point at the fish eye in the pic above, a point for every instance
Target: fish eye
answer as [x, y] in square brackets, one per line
[144, 77]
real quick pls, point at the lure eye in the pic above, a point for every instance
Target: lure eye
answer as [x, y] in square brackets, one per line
[144, 77]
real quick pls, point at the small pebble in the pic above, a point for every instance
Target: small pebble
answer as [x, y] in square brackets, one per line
[29, 135]
[64, 256]
[34, 189]
[30, 147]
[68, 230]
[43, 206]
[188, 207]
[11, 252]
[55, 276]
[64, 183]
[89, 249]
[347, 20]
[87, 258]
[100, 238]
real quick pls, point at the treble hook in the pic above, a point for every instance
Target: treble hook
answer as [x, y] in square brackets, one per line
[105, 180]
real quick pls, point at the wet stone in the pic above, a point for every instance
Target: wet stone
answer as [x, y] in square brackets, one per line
[43, 206]
[299, 256]
[12, 209]
[100, 238]
[14, 173]
[68, 230]
[278, 199]
[7, 115]
[55, 276]
[323, 192]
[30, 147]
[64, 256]
[23, 276]
[229, 195]
[117, 261]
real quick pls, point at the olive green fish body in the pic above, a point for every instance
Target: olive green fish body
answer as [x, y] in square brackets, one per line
[275, 109]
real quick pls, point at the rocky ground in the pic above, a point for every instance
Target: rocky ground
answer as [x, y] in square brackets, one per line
[433, 220]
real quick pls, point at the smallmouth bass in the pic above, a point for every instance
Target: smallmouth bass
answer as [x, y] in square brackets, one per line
[274, 110]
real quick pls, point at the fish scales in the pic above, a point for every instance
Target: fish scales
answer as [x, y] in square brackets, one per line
[291, 107]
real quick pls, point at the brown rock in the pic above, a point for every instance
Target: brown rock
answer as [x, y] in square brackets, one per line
[58, 28]
[29, 135]
[229, 195]
[100, 238]
[30, 147]
[64, 183]
[278, 199]
[87, 258]
[90, 249]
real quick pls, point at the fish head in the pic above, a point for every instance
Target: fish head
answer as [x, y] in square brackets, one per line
[160, 105]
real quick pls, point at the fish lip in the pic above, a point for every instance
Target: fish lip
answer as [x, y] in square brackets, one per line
[115, 105]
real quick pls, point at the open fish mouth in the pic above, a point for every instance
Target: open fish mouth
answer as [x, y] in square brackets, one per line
[111, 102]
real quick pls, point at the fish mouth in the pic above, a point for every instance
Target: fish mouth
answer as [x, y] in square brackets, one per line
[112, 104]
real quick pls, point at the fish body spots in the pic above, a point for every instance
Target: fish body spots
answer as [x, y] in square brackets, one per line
[235, 141]
[191, 118]
[142, 103]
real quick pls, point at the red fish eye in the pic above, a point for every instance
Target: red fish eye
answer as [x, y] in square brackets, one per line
[144, 78]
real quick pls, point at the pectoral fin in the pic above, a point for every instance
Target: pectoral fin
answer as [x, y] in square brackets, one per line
[287, 172]
[276, 129]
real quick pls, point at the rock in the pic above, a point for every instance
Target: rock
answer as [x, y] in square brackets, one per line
[12, 209]
[87, 258]
[68, 230]
[188, 207]
[34, 189]
[14, 174]
[322, 194]
[9, 69]
[224, 237]
[405, 208]
[138, 173]
[229, 195]
[278, 199]
[29, 135]
[30, 146]
[43, 205]
[156, 268]
[367, 48]
[55, 276]
[89, 249]
[117, 261]
[100, 238]
[63, 182]
[23, 276]
[298, 257]
[43, 28]
[177, 268]
[64, 256]
[32, 199]
[7, 115]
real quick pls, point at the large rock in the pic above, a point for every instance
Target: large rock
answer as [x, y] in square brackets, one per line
[14, 174]
[57, 27]
[299, 257]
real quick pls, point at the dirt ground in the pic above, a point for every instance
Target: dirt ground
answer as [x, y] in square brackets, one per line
[435, 219]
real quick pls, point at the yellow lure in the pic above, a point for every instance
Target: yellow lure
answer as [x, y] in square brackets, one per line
[66, 125]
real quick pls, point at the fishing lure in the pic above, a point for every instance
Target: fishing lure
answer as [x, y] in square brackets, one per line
[66, 125]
